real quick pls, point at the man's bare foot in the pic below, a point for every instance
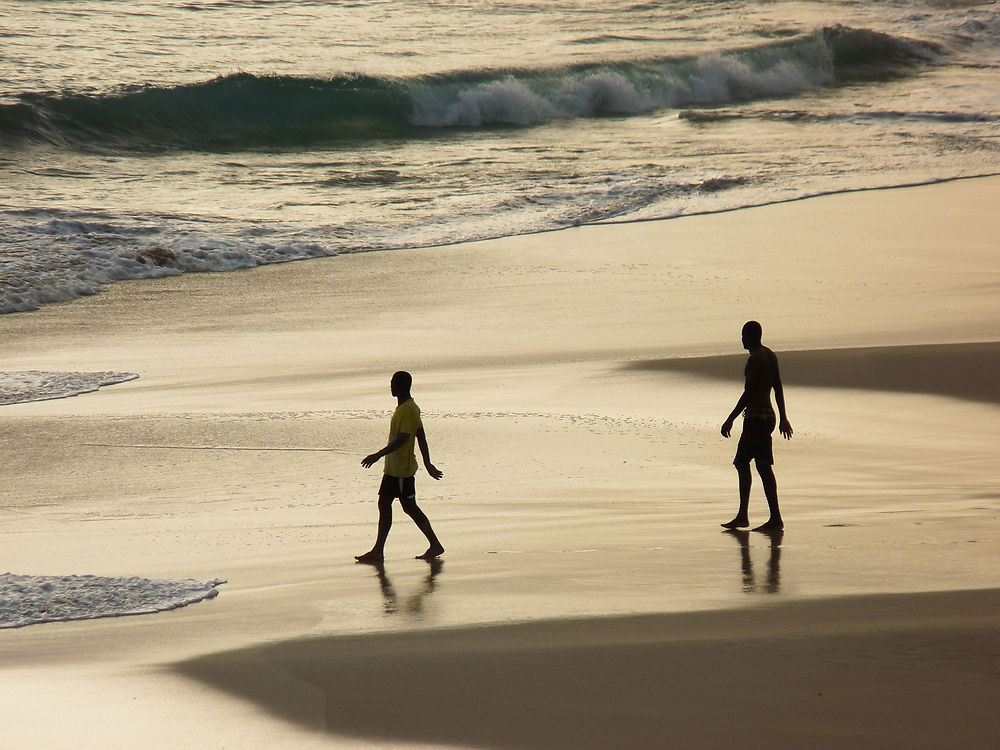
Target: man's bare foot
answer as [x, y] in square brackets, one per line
[771, 525]
[370, 558]
[434, 551]
[737, 523]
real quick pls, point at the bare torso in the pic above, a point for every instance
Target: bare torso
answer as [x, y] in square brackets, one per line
[761, 377]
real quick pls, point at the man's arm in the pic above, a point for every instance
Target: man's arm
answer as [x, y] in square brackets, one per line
[395, 445]
[751, 384]
[425, 453]
[784, 426]
[727, 426]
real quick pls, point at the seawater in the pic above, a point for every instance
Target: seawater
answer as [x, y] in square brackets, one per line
[143, 139]
[29, 600]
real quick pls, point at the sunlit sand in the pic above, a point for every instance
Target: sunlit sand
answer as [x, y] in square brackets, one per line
[572, 385]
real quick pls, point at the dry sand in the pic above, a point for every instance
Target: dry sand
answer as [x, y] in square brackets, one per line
[572, 385]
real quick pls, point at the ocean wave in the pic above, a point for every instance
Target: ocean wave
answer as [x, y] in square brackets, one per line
[34, 385]
[243, 111]
[57, 256]
[29, 600]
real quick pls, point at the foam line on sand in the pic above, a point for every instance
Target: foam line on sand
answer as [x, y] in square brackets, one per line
[965, 371]
[834, 673]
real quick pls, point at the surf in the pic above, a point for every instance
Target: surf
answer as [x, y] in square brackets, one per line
[247, 111]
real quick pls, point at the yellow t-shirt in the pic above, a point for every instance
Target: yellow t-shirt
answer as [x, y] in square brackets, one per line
[401, 462]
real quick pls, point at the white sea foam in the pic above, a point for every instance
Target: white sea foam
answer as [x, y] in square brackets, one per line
[28, 600]
[723, 79]
[709, 79]
[58, 258]
[36, 385]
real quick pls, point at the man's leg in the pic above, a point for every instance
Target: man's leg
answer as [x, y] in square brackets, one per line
[774, 523]
[423, 523]
[377, 553]
[746, 480]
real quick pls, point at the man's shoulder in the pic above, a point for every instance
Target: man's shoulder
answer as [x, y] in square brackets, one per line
[762, 363]
[762, 354]
[409, 408]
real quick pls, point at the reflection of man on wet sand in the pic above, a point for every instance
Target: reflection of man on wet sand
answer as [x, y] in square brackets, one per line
[758, 423]
[773, 580]
[414, 604]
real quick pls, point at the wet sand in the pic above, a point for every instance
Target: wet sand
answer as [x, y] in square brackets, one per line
[572, 385]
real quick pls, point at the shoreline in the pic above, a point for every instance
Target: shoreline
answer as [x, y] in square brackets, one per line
[610, 222]
[783, 201]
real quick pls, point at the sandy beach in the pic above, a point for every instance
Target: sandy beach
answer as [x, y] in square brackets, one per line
[572, 386]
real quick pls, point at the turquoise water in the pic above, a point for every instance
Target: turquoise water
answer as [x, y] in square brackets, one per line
[145, 139]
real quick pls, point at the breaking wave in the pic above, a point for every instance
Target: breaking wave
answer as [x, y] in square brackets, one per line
[244, 111]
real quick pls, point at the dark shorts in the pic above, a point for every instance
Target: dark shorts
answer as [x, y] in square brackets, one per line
[402, 487]
[755, 442]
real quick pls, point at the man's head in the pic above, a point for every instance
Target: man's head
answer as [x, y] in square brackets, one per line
[401, 383]
[752, 334]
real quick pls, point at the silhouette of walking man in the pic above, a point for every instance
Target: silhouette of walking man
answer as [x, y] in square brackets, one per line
[762, 376]
[400, 468]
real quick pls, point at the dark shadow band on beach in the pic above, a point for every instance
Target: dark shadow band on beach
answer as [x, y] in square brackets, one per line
[842, 672]
[964, 371]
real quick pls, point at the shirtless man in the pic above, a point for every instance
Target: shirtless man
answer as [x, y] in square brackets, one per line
[758, 423]
[400, 466]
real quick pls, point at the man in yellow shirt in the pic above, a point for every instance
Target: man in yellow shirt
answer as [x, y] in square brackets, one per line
[400, 468]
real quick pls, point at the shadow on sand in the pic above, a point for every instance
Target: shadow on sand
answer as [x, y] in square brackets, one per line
[823, 674]
[965, 371]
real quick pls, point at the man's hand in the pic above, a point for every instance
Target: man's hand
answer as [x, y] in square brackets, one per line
[399, 442]
[785, 428]
[433, 471]
[727, 428]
